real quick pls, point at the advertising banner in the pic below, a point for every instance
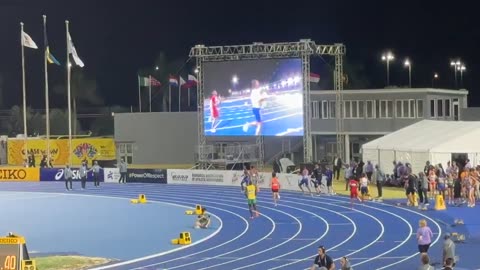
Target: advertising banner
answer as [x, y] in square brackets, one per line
[84, 148]
[111, 175]
[19, 174]
[198, 177]
[147, 176]
[57, 174]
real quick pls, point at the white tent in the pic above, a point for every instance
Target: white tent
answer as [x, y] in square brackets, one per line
[430, 140]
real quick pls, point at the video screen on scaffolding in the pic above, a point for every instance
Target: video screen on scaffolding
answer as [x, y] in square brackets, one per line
[253, 98]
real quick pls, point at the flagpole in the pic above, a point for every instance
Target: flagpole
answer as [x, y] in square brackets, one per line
[74, 116]
[169, 97]
[179, 95]
[25, 145]
[47, 105]
[150, 91]
[69, 98]
[188, 97]
[139, 95]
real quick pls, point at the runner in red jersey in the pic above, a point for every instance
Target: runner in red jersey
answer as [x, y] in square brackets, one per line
[275, 185]
[214, 110]
[353, 190]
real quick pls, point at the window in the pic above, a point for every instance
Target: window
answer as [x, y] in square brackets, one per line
[448, 108]
[314, 109]
[324, 109]
[377, 108]
[411, 108]
[353, 109]
[348, 110]
[399, 109]
[440, 107]
[419, 108]
[432, 108]
[332, 109]
[405, 108]
[370, 108]
[361, 109]
[125, 151]
[386, 108]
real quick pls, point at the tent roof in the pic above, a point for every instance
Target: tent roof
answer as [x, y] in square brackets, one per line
[432, 136]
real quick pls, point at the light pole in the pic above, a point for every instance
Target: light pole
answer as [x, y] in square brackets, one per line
[409, 65]
[435, 77]
[455, 64]
[462, 69]
[387, 57]
[234, 81]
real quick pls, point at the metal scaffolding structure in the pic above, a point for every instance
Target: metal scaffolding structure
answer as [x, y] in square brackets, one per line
[303, 49]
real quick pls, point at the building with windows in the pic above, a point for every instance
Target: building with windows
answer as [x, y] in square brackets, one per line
[371, 113]
[163, 137]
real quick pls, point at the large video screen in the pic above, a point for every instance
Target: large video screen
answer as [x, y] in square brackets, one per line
[253, 98]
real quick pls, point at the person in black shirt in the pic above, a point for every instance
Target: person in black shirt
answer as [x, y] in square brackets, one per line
[411, 188]
[323, 260]
[316, 178]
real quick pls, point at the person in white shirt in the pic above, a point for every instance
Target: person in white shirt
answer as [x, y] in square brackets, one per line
[256, 98]
[364, 186]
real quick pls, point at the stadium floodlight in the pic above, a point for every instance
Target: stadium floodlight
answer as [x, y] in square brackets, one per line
[284, 83]
[196, 70]
[387, 57]
[297, 79]
[234, 79]
[408, 64]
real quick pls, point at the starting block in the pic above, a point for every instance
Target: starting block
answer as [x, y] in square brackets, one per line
[29, 265]
[189, 212]
[141, 199]
[440, 203]
[184, 239]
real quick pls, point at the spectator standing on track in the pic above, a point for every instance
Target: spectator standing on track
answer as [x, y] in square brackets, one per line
[448, 251]
[68, 174]
[425, 263]
[329, 175]
[96, 173]
[322, 260]
[380, 179]
[369, 170]
[275, 185]
[348, 175]
[424, 236]
[83, 173]
[337, 165]
[122, 167]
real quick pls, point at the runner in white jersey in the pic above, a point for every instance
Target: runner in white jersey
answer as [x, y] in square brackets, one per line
[364, 186]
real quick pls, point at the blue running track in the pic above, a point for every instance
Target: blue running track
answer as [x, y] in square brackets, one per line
[373, 235]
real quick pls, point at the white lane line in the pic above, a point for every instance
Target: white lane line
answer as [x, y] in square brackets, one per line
[149, 256]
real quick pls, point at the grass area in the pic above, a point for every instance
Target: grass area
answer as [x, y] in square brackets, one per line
[388, 192]
[68, 262]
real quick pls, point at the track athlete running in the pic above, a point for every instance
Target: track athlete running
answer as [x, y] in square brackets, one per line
[275, 185]
[353, 184]
[251, 194]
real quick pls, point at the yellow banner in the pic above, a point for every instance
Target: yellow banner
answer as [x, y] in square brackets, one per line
[86, 148]
[19, 174]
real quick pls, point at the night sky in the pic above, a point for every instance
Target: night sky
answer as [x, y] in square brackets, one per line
[115, 39]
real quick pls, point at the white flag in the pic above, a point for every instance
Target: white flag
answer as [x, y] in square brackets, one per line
[27, 41]
[73, 51]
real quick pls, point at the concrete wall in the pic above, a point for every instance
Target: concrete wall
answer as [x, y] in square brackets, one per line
[470, 114]
[158, 137]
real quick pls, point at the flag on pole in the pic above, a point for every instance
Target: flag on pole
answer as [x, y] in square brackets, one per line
[192, 80]
[27, 41]
[73, 52]
[314, 78]
[173, 80]
[182, 82]
[155, 82]
[146, 81]
[50, 58]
